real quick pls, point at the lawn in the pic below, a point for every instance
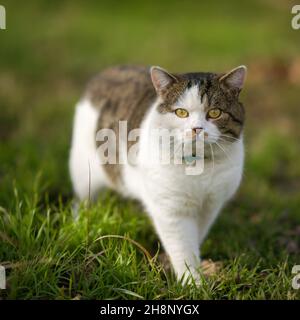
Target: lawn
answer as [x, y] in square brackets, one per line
[47, 53]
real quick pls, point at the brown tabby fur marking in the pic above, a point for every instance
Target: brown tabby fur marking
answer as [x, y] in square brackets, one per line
[125, 93]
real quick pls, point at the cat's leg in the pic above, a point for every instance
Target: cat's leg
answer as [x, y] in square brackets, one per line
[180, 237]
[87, 182]
[206, 218]
[87, 178]
[87, 174]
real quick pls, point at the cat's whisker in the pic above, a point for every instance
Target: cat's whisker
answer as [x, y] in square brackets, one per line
[178, 148]
[224, 140]
[212, 157]
[222, 136]
[229, 158]
[229, 137]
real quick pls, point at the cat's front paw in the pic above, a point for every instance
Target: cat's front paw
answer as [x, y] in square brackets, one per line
[191, 278]
[196, 277]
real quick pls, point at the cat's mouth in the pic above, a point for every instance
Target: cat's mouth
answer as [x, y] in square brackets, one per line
[200, 147]
[207, 139]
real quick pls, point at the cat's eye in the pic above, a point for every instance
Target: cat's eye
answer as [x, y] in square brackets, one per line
[181, 113]
[214, 113]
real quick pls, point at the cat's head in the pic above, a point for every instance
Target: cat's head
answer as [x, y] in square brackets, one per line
[201, 102]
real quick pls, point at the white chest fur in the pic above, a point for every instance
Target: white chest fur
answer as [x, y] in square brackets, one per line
[182, 207]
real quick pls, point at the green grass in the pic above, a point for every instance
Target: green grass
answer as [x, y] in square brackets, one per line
[47, 54]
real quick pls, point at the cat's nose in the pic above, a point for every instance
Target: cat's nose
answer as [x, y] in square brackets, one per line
[197, 130]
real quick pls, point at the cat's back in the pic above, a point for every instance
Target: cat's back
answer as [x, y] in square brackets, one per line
[121, 93]
[122, 86]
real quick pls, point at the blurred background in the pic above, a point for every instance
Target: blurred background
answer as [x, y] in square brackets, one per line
[51, 48]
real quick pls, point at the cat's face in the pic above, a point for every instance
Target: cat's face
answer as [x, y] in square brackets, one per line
[201, 103]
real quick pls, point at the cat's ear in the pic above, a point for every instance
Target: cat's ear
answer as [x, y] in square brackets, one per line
[234, 79]
[161, 79]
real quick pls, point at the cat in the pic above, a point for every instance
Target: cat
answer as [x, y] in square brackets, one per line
[182, 207]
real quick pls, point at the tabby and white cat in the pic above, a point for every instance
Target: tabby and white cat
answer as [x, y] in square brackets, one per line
[182, 207]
